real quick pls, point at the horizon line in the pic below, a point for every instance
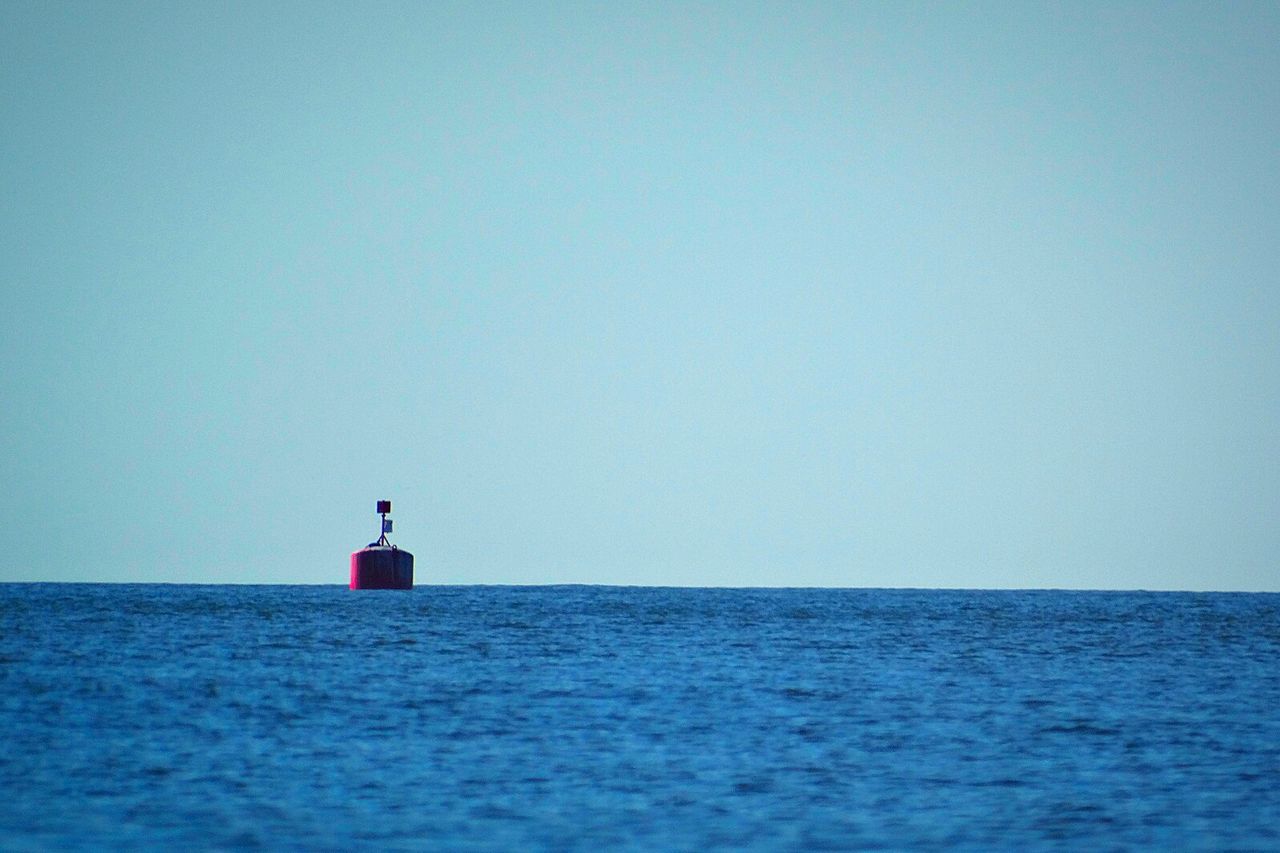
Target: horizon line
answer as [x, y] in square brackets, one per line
[667, 586]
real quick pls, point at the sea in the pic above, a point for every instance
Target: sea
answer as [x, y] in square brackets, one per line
[138, 717]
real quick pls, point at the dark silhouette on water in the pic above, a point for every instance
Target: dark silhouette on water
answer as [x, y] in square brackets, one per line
[381, 565]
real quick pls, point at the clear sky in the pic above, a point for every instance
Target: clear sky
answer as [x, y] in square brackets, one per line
[846, 294]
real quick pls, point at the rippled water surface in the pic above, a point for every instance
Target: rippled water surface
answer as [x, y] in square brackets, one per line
[589, 717]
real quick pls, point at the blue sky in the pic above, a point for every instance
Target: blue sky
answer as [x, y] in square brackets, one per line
[930, 295]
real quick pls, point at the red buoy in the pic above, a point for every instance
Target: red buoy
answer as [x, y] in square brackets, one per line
[382, 565]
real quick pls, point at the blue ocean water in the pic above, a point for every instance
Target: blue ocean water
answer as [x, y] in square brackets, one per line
[573, 717]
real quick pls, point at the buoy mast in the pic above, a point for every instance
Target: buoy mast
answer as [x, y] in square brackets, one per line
[384, 509]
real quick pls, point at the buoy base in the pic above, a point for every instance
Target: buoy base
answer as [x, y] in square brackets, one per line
[379, 567]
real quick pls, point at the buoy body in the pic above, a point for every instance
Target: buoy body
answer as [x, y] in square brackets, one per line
[381, 567]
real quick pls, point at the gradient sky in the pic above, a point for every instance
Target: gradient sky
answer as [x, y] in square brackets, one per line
[803, 294]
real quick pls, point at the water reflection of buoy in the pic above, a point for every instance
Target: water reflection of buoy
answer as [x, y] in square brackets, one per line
[382, 565]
